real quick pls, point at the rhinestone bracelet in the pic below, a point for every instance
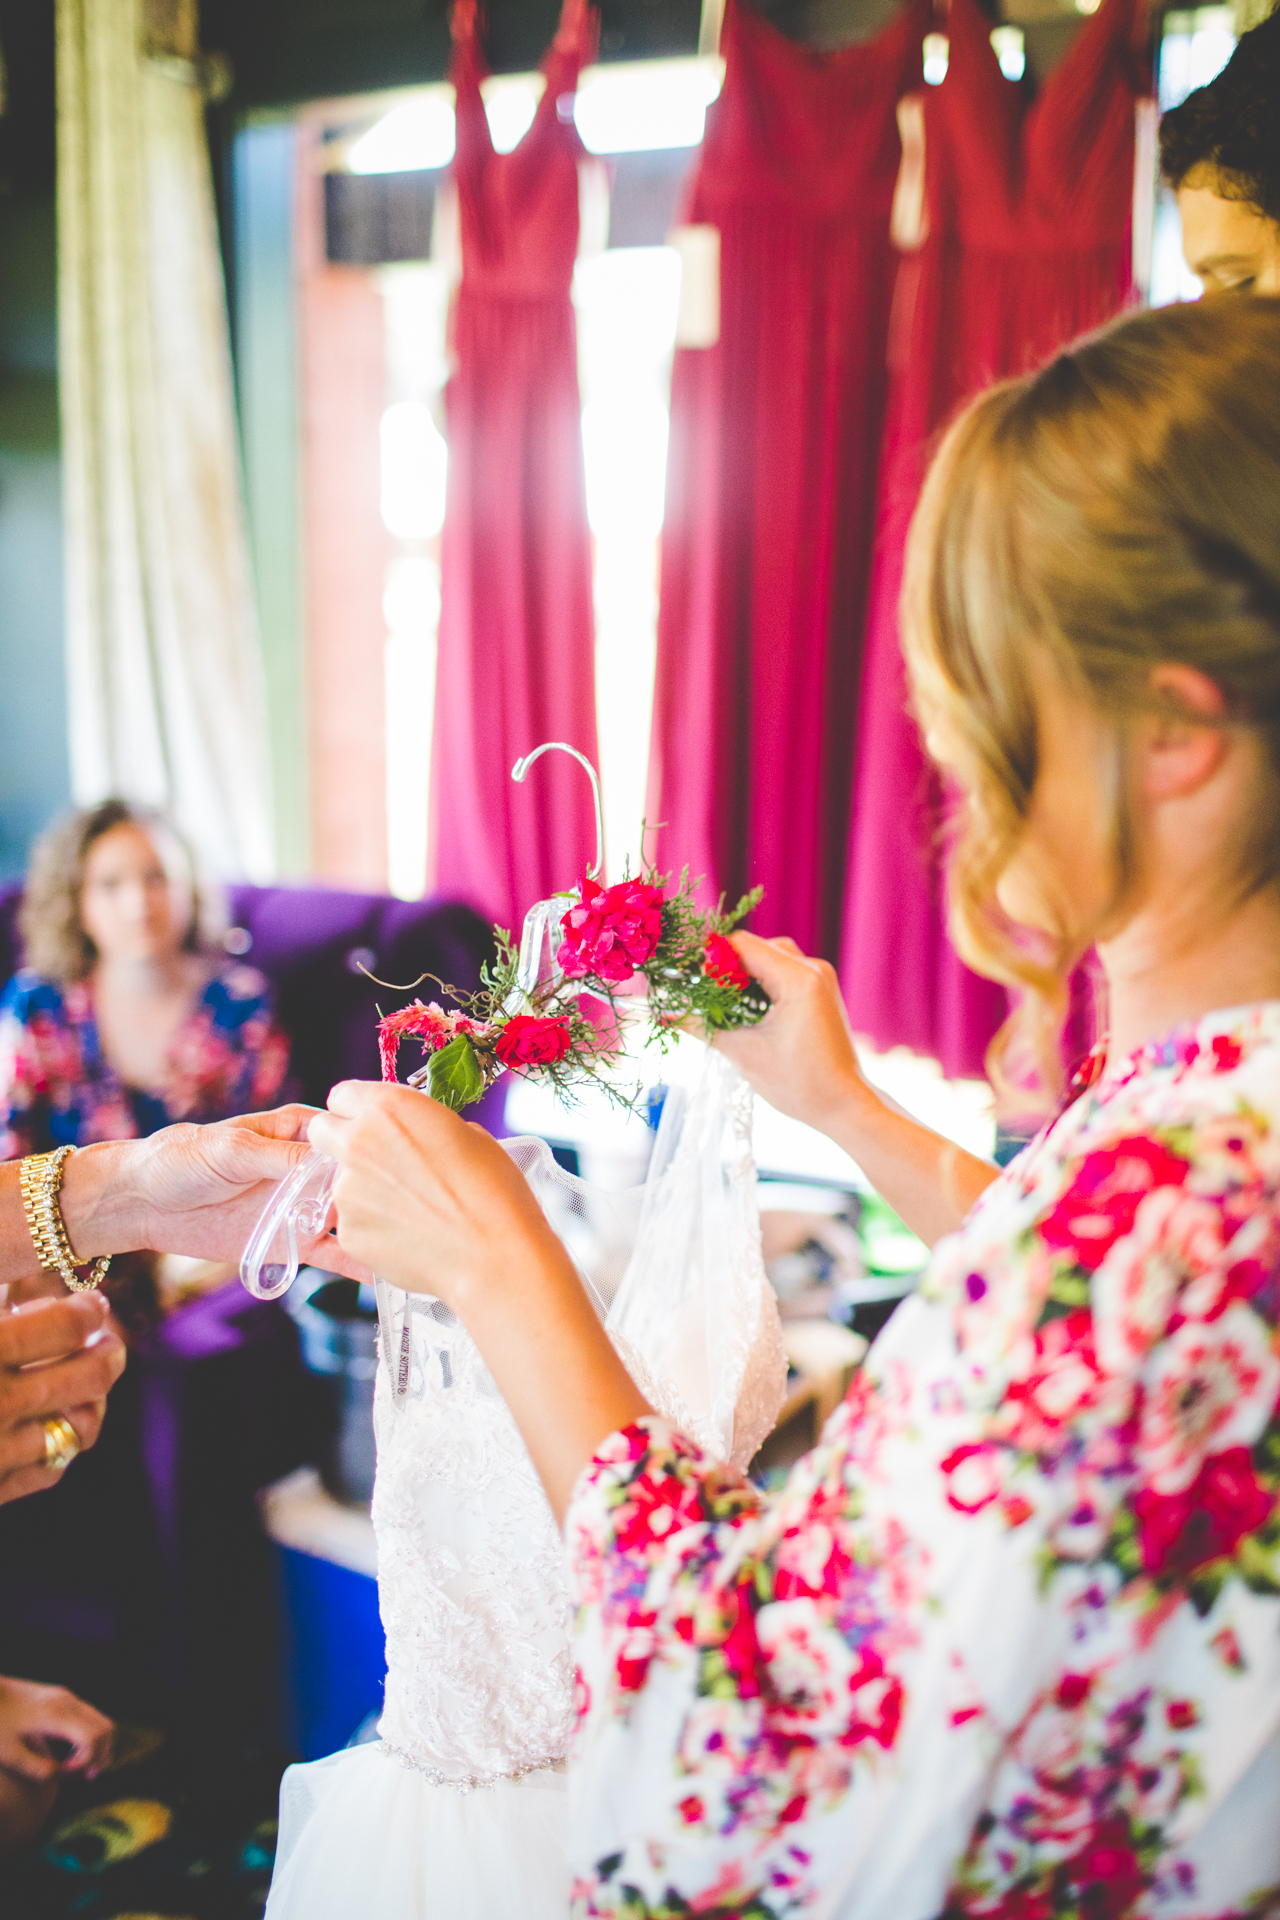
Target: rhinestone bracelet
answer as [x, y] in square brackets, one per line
[471, 1781]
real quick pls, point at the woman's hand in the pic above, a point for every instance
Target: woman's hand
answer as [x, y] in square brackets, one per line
[33, 1716]
[190, 1190]
[428, 1201]
[56, 1357]
[435, 1206]
[800, 1057]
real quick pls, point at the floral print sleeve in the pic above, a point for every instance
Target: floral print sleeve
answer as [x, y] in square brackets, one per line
[1008, 1642]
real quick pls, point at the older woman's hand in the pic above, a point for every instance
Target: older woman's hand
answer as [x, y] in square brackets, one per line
[190, 1190]
[56, 1357]
[427, 1200]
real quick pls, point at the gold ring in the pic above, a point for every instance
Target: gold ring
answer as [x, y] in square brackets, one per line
[61, 1443]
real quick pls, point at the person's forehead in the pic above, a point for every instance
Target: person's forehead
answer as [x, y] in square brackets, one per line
[130, 842]
[1218, 232]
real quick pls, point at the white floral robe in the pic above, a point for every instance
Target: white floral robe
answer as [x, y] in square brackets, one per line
[1008, 1642]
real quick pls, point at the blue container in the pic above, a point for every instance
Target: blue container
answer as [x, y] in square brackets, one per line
[334, 1651]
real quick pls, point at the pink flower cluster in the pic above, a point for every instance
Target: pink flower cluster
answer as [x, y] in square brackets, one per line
[430, 1024]
[611, 931]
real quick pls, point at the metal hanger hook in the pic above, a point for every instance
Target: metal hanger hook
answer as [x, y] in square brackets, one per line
[521, 769]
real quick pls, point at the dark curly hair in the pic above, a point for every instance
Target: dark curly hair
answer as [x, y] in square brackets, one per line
[1233, 125]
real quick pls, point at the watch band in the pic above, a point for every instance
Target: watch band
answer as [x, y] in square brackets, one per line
[41, 1181]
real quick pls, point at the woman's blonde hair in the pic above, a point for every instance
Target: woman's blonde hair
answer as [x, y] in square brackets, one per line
[54, 940]
[1117, 510]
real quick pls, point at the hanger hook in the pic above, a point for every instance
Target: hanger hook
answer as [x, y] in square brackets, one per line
[521, 769]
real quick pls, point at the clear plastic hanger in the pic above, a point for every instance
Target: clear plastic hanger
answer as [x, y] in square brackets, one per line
[302, 1203]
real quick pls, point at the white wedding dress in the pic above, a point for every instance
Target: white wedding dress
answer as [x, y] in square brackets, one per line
[459, 1812]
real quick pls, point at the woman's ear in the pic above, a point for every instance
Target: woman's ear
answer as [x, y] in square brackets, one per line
[1180, 754]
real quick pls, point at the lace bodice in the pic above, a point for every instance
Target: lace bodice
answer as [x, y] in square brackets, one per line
[471, 1572]
[471, 1567]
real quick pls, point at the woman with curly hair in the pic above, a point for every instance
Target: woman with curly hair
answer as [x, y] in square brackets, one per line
[127, 1015]
[1220, 152]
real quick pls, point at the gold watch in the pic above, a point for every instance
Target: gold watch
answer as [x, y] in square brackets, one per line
[41, 1181]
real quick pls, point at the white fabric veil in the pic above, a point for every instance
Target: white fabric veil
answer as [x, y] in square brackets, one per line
[675, 1268]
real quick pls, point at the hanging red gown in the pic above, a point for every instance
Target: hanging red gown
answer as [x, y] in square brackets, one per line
[1029, 212]
[516, 652]
[770, 482]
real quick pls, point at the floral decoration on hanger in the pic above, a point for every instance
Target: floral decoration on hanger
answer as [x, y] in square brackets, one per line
[639, 944]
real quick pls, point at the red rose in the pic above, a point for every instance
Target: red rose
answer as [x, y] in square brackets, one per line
[721, 961]
[1179, 1532]
[1100, 1205]
[1182, 1714]
[528, 1040]
[611, 931]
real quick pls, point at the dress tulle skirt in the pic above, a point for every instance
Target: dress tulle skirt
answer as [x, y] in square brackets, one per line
[362, 1836]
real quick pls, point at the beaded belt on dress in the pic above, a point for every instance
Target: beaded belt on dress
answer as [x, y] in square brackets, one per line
[468, 1782]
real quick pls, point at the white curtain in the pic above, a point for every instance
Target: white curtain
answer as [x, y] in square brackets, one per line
[165, 682]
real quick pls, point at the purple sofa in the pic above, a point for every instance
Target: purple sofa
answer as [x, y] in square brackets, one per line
[143, 1580]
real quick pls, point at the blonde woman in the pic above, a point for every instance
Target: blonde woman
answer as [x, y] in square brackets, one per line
[127, 1015]
[1008, 1642]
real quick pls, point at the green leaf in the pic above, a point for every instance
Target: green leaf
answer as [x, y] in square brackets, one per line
[454, 1075]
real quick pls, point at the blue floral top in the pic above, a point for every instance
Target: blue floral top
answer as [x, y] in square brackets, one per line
[57, 1087]
[1007, 1645]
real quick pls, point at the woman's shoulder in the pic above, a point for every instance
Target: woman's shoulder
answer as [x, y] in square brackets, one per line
[1184, 1089]
[1159, 1164]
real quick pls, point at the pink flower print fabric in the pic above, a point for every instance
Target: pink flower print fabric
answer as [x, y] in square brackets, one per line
[1007, 1644]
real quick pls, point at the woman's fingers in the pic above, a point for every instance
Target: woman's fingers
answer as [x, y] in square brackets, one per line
[48, 1329]
[28, 1763]
[422, 1197]
[279, 1123]
[57, 1358]
[778, 965]
[37, 1392]
[61, 1716]
[800, 1057]
[22, 1445]
[32, 1716]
